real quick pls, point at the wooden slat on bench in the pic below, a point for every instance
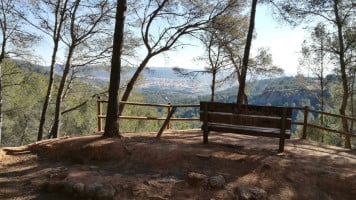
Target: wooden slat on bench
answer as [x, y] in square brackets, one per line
[268, 121]
[245, 109]
[248, 120]
[248, 130]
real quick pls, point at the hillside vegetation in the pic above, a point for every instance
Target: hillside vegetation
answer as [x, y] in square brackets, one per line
[22, 111]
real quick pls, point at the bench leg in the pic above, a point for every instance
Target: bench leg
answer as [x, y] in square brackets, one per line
[281, 144]
[205, 136]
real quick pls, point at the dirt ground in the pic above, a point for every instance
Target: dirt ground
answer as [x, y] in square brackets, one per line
[138, 166]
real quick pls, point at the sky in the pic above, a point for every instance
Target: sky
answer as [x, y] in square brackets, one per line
[284, 44]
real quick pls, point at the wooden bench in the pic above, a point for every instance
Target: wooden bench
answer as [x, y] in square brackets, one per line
[268, 121]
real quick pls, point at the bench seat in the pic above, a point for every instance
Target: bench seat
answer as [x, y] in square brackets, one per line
[248, 130]
[267, 121]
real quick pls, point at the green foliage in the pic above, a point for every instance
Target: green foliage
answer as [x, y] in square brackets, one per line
[23, 96]
[81, 120]
[23, 93]
[138, 111]
[21, 104]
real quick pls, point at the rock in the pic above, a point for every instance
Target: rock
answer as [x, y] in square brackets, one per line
[93, 167]
[78, 187]
[157, 198]
[196, 179]
[106, 192]
[91, 189]
[51, 186]
[251, 193]
[59, 175]
[217, 181]
[204, 156]
[68, 185]
[141, 191]
[156, 175]
[169, 179]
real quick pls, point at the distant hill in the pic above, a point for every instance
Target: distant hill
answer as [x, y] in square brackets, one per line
[162, 84]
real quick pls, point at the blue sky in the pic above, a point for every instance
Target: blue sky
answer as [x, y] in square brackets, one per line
[284, 43]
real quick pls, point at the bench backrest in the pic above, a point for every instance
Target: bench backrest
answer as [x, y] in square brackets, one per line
[247, 115]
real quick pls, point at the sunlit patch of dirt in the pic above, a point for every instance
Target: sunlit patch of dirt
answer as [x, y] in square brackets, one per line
[139, 166]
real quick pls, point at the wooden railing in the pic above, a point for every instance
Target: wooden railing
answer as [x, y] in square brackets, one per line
[305, 123]
[167, 119]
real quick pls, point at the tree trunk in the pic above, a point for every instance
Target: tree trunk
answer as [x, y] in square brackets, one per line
[48, 94]
[352, 101]
[2, 57]
[133, 80]
[58, 114]
[241, 95]
[345, 87]
[1, 115]
[111, 123]
[56, 37]
[213, 86]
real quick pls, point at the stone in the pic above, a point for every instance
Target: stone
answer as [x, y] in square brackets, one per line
[204, 156]
[93, 167]
[217, 181]
[106, 192]
[92, 189]
[68, 185]
[51, 186]
[156, 175]
[197, 179]
[78, 187]
[251, 193]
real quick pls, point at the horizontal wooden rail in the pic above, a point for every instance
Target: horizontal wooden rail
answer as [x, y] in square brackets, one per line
[306, 124]
[154, 105]
[158, 118]
[325, 113]
[169, 107]
[332, 130]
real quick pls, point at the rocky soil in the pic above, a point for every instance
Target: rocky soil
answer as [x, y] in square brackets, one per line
[177, 166]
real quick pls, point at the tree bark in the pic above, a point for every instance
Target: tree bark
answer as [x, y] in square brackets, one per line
[131, 83]
[48, 94]
[111, 123]
[212, 97]
[2, 57]
[56, 37]
[58, 114]
[345, 87]
[1, 114]
[241, 95]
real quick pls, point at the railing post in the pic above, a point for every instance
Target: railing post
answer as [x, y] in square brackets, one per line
[305, 123]
[169, 110]
[99, 114]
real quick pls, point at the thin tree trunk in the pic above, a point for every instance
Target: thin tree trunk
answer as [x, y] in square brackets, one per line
[241, 95]
[48, 94]
[56, 37]
[58, 114]
[2, 57]
[132, 82]
[111, 123]
[25, 130]
[322, 102]
[213, 86]
[1, 114]
[352, 101]
[345, 94]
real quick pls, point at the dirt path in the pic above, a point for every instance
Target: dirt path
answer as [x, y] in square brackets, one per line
[141, 167]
